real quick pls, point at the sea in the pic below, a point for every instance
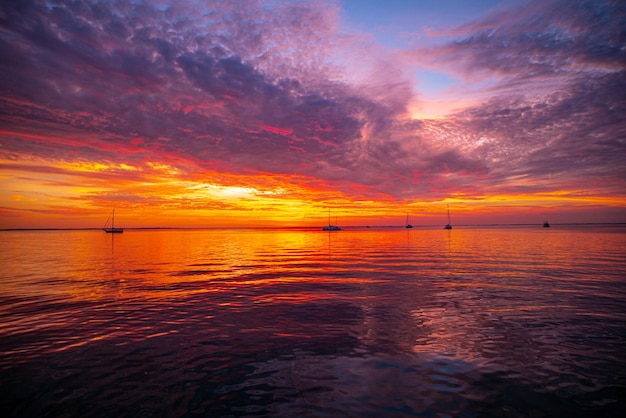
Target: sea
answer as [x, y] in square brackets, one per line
[499, 321]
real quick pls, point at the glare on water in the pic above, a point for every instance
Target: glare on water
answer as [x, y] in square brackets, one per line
[388, 322]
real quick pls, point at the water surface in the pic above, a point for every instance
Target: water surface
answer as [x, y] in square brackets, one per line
[365, 322]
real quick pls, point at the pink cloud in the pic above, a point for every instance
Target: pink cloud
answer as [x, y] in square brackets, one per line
[136, 82]
[278, 130]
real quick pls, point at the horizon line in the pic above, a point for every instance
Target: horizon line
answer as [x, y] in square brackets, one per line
[303, 227]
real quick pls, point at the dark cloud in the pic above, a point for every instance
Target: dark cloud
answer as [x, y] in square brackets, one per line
[576, 135]
[542, 38]
[250, 89]
[120, 74]
[556, 72]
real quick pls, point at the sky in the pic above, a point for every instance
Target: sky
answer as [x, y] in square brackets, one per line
[273, 113]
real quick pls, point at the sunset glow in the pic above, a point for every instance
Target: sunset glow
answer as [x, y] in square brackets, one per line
[268, 113]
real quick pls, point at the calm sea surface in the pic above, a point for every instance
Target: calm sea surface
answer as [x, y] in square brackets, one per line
[473, 322]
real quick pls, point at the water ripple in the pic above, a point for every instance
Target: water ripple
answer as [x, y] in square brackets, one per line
[301, 323]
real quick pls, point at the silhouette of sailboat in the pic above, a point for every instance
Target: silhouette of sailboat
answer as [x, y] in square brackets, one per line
[112, 229]
[546, 224]
[408, 225]
[449, 224]
[330, 227]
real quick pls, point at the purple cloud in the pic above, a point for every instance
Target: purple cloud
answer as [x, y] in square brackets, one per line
[540, 39]
[556, 74]
[251, 88]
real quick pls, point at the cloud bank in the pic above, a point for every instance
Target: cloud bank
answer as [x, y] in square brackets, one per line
[254, 87]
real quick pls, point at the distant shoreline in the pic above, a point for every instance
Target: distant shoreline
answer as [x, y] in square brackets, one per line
[318, 226]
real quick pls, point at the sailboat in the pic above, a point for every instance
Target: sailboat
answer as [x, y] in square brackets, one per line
[449, 224]
[408, 225]
[546, 224]
[112, 229]
[330, 227]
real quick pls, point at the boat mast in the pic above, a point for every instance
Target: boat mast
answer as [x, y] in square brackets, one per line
[449, 224]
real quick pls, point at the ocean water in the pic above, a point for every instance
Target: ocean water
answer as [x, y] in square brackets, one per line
[472, 322]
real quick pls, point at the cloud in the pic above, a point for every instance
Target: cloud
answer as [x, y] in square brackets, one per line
[153, 76]
[550, 75]
[538, 39]
[573, 138]
[246, 87]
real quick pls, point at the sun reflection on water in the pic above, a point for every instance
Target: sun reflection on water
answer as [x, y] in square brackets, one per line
[435, 310]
